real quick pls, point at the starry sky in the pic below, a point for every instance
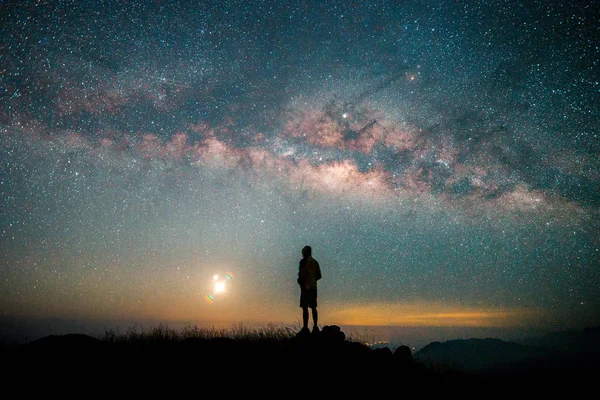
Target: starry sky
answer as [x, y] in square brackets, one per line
[441, 158]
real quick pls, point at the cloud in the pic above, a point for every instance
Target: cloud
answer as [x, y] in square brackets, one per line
[431, 315]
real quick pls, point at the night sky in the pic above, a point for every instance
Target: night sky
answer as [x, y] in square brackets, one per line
[440, 157]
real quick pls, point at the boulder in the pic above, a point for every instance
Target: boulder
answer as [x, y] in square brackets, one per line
[333, 333]
[403, 355]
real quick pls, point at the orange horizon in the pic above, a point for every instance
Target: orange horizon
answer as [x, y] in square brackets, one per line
[415, 314]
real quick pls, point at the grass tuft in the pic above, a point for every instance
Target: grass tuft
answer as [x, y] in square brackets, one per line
[162, 333]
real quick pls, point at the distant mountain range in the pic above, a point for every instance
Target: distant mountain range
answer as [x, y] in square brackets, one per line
[554, 352]
[570, 342]
[472, 355]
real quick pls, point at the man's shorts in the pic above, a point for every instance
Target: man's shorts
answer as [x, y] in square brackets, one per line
[308, 298]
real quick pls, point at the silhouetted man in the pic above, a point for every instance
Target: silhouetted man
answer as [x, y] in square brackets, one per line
[309, 273]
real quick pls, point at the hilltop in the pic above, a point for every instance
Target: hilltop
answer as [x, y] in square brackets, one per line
[281, 352]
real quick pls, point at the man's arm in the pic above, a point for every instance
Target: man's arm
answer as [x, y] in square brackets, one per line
[319, 276]
[301, 275]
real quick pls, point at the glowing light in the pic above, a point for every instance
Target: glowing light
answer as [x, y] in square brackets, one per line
[219, 285]
[345, 115]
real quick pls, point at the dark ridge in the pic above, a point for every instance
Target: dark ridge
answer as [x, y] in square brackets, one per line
[64, 344]
[327, 351]
[564, 357]
[326, 355]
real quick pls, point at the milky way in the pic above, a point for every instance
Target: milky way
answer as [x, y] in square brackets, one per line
[441, 159]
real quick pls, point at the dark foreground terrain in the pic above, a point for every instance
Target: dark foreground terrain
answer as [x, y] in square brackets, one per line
[311, 360]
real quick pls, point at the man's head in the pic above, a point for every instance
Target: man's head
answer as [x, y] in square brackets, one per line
[306, 251]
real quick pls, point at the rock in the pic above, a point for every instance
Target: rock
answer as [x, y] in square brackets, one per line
[333, 333]
[383, 353]
[403, 355]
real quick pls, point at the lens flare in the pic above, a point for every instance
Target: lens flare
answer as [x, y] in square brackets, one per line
[219, 285]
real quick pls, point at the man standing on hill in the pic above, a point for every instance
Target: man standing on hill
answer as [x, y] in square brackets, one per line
[309, 273]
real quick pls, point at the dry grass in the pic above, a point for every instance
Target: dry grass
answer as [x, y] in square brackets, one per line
[162, 333]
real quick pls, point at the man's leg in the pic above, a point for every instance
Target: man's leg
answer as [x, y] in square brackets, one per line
[305, 316]
[315, 315]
